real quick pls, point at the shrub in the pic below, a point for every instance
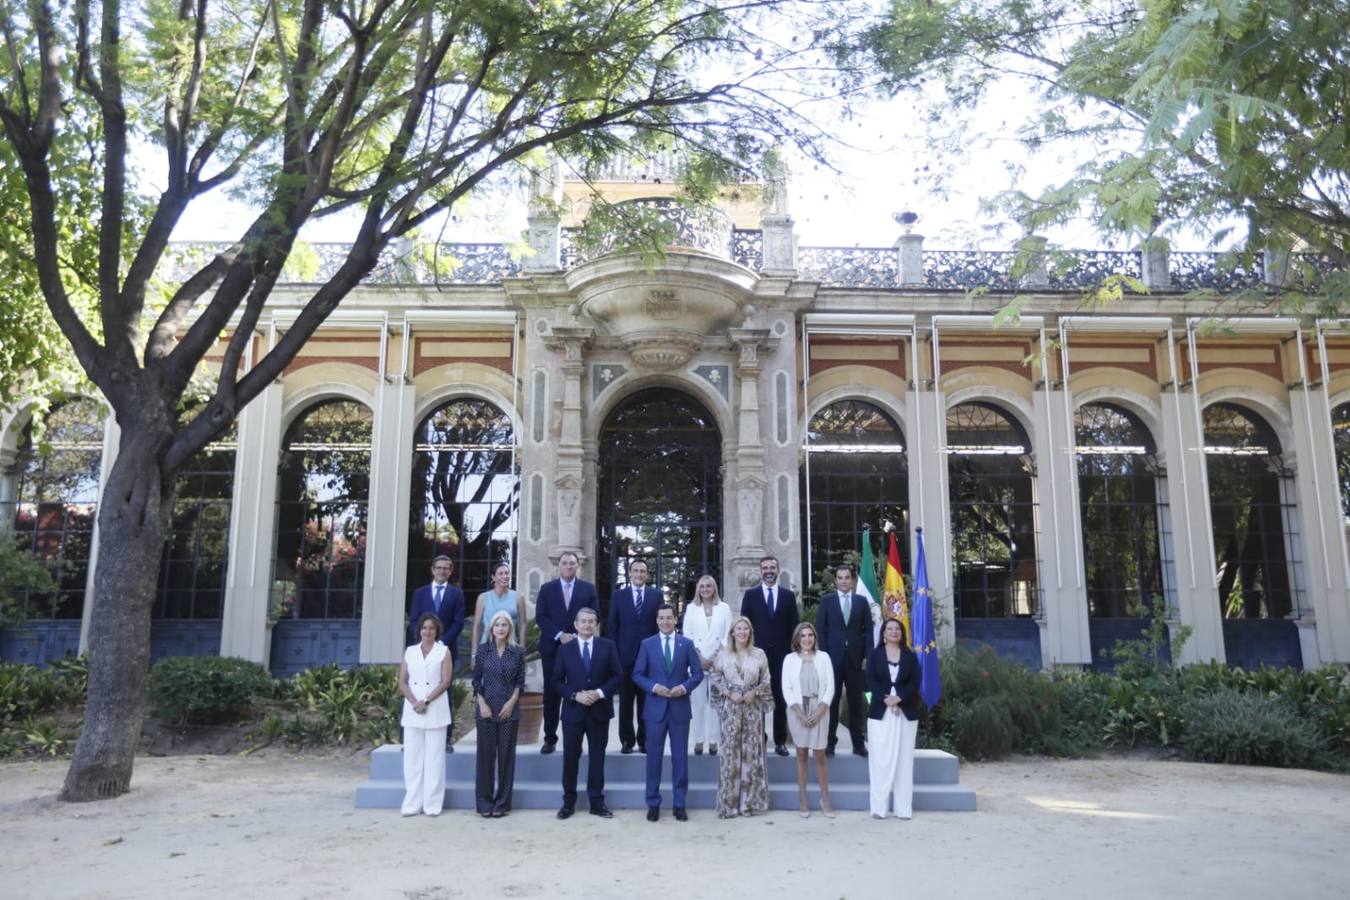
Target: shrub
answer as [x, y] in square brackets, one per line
[206, 690]
[26, 691]
[1235, 726]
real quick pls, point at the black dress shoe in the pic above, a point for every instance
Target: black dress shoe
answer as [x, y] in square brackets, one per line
[860, 751]
[829, 751]
[780, 749]
[566, 812]
[681, 815]
[641, 747]
[653, 813]
[449, 748]
[603, 812]
[626, 749]
[547, 749]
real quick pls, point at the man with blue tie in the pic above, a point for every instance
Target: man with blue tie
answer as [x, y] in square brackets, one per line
[772, 611]
[555, 612]
[667, 670]
[632, 619]
[844, 629]
[586, 675]
[447, 602]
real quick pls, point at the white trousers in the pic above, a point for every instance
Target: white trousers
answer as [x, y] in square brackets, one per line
[890, 764]
[423, 771]
[705, 727]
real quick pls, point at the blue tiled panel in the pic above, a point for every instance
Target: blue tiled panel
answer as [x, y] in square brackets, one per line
[184, 637]
[39, 643]
[1104, 633]
[1015, 639]
[1249, 643]
[299, 644]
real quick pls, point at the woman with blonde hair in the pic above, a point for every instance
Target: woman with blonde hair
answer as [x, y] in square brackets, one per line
[707, 622]
[742, 693]
[498, 679]
[808, 688]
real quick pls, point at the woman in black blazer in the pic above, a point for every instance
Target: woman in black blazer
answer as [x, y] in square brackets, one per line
[893, 676]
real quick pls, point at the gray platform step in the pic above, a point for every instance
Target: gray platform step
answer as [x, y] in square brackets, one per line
[936, 781]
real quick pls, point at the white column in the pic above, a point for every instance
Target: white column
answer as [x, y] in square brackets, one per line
[1324, 620]
[248, 581]
[1193, 536]
[385, 588]
[1065, 638]
[929, 501]
[112, 438]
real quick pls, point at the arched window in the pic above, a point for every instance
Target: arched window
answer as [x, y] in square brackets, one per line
[993, 513]
[1118, 494]
[1340, 432]
[192, 573]
[857, 473]
[323, 486]
[56, 500]
[1250, 512]
[465, 494]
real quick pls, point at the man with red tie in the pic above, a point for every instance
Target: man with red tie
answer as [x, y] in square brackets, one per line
[555, 612]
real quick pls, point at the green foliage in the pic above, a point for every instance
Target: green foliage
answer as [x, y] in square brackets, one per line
[1231, 725]
[27, 691]
[207, 690]
[20, 571]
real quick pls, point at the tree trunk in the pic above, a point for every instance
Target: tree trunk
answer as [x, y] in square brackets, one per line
[134, 516]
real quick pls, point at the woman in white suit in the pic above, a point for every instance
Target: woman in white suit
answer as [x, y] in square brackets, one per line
[808, 688]
[424, 680]
[707, 622]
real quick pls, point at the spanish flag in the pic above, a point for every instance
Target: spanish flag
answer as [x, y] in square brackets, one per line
[894, 604]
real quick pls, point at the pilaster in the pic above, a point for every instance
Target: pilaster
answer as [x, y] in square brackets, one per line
[750, 477]
[1324, 619]
[569, 474]
[929, 504]
[385, 589]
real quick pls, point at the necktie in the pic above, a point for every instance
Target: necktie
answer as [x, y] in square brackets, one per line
[586, 656]
[439, 593]
[845, 604]
[567, 595]
[637, 600]
[670, 659]
[773, 608]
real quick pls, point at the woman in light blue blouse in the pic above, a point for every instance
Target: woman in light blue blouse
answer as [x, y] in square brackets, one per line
[499, 599]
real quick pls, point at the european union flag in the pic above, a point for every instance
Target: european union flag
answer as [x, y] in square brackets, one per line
[922, 631]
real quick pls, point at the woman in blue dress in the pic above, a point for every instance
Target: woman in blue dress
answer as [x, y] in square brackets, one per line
[499, 599]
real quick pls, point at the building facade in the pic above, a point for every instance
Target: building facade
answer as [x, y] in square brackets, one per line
[741, 396]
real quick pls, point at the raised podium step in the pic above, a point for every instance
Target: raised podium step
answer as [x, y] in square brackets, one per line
[936, 781]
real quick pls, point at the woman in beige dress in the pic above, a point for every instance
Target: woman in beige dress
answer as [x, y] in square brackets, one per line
[742, 694]
[808, 688]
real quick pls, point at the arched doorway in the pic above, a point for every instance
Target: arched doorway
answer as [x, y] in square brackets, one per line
[659, 493]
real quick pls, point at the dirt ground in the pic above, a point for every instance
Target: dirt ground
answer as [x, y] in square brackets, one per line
[281, 826]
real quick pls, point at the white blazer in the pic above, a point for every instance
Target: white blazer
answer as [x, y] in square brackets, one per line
[792, 679]
[708, 634]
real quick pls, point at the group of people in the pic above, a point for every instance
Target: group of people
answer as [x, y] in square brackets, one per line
[712, 681]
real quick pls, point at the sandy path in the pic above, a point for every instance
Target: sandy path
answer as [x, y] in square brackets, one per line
[224, 826]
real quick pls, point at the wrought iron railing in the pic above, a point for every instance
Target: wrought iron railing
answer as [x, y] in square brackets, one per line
[854, 267]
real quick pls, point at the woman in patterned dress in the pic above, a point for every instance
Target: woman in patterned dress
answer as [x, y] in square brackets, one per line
[742, 694]
[498, 679]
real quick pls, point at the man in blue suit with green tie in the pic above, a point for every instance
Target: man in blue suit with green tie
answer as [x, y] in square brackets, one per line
[667, 670]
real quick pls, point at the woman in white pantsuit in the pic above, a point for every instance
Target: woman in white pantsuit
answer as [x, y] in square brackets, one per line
[707, 621]
[893, 676]
[424, 680]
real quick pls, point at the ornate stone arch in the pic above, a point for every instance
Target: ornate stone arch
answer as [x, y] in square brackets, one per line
[630, 385]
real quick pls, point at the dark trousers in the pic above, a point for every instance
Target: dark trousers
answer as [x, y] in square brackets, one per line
[596, 733]
[496, 773]
[780, 727]
[629, 695]
[679, 761]
[552, 702]
[849, 678]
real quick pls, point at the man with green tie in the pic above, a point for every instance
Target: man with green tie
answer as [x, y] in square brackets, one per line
[844, 624]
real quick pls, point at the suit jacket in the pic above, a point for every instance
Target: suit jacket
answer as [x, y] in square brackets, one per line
[848, 643]
[628, 629]
[906, 683]
[553, 615]
[570, 676]
[650, 670]
[451, 614]
[773, 633]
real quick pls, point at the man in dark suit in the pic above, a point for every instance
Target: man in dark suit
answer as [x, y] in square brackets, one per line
[442, 598]
[632, 619]
[555, 612]
[844, 626]
[667, 670]
[586, 674]
[772, 611]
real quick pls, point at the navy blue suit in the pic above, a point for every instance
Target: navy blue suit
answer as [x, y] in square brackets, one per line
[450, 612]
[773, 635]
[667, 715]
[628, 628]
[569, 675]
[553, 616]
[848, 644]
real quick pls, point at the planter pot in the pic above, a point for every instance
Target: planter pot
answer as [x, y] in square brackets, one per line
[531, 716]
